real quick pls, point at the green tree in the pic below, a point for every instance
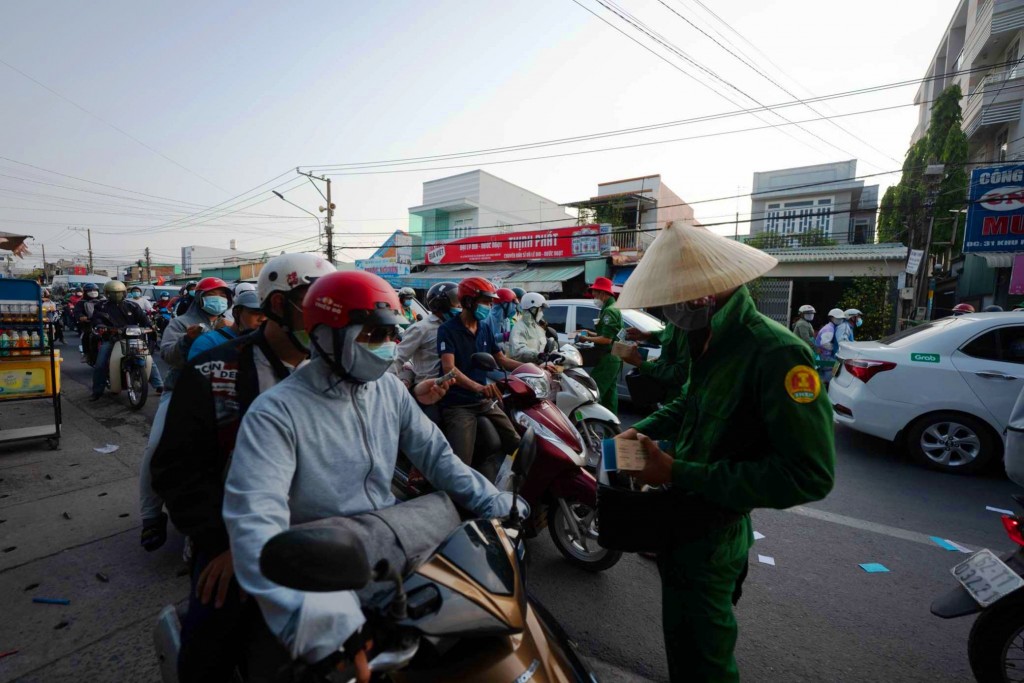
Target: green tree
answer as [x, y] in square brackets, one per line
[908, 204]
[873, 297]
[773, 240]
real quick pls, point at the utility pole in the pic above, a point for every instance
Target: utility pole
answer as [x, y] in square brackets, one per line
[88, 232]
[44, 261]
[329, 209]
[149, 264]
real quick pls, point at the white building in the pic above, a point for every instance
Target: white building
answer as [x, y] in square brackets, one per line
[824, 199]
[194, 258]
[981, 51]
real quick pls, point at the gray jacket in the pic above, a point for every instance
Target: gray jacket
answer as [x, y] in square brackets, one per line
[174, 344]
[419, 348]
[312, 448]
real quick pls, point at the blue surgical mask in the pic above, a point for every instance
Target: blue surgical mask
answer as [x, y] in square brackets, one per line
[134, 295]
[454, 313]
[482, 311]
[215, 305]
[384, 351]
[860, 321]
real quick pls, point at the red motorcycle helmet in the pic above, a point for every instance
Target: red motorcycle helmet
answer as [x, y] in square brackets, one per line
[476, 287]
[506, 296]
[353, 297]
[963, 308]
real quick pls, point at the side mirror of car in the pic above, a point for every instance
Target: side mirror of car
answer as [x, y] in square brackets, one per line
[320, 559]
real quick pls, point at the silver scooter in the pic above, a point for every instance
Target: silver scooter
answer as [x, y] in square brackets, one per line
[577, 397]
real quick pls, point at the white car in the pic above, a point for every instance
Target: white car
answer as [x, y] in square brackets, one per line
[945, 388]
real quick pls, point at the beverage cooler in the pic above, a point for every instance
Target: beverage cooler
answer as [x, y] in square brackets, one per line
[29, 365]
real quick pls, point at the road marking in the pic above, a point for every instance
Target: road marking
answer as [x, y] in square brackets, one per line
[864, 525]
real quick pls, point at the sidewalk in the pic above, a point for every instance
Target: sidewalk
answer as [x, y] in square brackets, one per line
[66, 516]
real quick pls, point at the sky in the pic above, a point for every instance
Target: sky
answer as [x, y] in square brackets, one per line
[163, 125]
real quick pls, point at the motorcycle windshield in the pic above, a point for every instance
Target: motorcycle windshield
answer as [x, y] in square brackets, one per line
[476, 549]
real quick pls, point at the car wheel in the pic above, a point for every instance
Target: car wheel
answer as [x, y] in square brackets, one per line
[951, 442]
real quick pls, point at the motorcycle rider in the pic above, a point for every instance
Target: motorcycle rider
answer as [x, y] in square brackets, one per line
[68, 309]
[51, 315]
[845, 331]
[212, 394]
[826, 343]
[500, 319]
[406, 295]
[136, 297]
[606, 371]
[752, 387]
[804, 327]
[82, 315]
[471, 397]
[185, 298]
[287, 467]
[248, 315]
[528, 339]
[116, 313]
[208, 310]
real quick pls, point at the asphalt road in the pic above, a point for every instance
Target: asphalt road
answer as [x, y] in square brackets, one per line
[815, 615]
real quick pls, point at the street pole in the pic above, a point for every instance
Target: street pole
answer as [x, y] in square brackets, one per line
[924, 270]
[44, 262]
[329, 225]
[149, 264]
[88, 232]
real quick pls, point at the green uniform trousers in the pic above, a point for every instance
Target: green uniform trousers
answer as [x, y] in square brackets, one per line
[700, 583]
[606, 375]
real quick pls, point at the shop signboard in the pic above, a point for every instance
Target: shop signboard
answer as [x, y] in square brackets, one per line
[574, 242]
[385, 267]
[995, 213]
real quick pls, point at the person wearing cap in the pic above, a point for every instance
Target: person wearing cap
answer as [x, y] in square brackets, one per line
[609, 324]
[752, 386]
[845, 330]
[248, 316]
[212, 395]
[804, 326]
[826, 344]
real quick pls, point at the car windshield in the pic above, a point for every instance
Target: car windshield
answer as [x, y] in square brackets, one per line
[644, 322]
[913, 335]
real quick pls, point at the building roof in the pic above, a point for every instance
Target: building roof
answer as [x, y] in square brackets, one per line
[841, 252]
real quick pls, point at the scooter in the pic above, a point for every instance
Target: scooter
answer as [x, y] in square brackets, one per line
[464, 614]
[130, 362]
[577, 395]
[560, 491]
[990, 587]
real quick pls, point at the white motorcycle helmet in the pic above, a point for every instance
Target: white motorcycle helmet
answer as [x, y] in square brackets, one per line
[850, 312]
[531, 301]
[837, 315]
[286, 272]
[806, 308]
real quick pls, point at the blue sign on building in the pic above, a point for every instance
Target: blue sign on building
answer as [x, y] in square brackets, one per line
[995, 214]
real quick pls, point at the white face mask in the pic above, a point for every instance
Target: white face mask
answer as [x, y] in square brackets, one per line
[808, 316]
[599, 302]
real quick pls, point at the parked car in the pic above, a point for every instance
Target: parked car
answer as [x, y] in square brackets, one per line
[945, 388]
[568, 316]
[153, 292]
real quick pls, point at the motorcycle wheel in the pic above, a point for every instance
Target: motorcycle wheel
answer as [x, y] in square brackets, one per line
[997, 642]
[594, 432]
[583, 552]
[138, 388]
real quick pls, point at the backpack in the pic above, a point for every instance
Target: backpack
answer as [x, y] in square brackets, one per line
[835, 341]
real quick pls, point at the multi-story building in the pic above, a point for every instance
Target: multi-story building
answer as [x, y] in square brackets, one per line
[810, 201]
[981, 51]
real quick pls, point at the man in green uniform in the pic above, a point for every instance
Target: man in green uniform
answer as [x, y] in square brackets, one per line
[752, 387]
[609, 324]
[668, 372]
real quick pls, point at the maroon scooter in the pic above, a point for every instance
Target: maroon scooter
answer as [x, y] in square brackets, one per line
[561, 493]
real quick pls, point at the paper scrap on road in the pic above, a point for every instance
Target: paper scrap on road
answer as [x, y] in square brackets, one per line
[874, 568]
[1002, 511]
[961, 548]
[764, 559]
[758, 535]
[51, 601]
[109, 448]
[944, 544]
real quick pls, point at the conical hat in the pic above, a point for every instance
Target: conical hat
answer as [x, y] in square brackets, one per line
[687, 262]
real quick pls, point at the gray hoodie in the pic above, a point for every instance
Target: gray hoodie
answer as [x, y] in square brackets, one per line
[174, 344]
[312, 448]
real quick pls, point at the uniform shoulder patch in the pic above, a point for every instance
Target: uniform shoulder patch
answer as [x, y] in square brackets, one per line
[803, 384]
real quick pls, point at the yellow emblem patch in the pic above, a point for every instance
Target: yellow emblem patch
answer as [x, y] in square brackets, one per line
[803, 384]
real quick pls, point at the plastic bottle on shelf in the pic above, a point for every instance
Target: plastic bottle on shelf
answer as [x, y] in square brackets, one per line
[5, 344]
[35, 344]
[23, 344]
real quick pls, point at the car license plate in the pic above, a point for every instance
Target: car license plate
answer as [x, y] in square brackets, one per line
[986, 577]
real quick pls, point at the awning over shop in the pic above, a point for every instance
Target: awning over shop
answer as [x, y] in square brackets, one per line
[544, 279]
[497, 273]
[621, 275]
[997, 259]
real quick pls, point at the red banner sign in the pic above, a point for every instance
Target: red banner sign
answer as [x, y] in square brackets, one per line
[575, 242]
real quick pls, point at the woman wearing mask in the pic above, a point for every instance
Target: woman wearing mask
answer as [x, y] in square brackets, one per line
[248, 316]
[804, 326]
[528, 338]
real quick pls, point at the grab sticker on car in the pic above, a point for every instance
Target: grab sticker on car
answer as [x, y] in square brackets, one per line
[924, 357]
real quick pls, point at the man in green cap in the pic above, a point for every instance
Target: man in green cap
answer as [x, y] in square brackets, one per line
[752, 429]
[609, 324]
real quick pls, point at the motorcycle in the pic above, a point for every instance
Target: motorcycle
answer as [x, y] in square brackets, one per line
[990, 587]
[577, 395]
[464, 614]
[130, 362]
[560, 491]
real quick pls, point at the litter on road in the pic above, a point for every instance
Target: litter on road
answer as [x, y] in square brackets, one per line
[944, 544]
[874, 568]
[8, 653]
[109, 448]
[764, 559]
[1002, 511]
[52, 601]
[758, 535]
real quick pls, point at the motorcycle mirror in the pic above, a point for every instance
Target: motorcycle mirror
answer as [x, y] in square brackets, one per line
[318, 559]
[526, 453]
[551, 345]
[484, 361]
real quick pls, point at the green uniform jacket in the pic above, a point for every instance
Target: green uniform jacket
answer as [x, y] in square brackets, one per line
[673, 366]
[606, 371]
[804, 331]
[753, 427]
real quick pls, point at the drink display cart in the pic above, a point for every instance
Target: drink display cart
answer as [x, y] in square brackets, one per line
[29, 365]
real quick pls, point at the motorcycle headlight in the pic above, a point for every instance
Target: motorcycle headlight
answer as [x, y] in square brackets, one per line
[540, 385]
[133, 331]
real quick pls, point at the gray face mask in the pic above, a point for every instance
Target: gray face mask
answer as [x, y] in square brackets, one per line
[359, 364]
[689, 318]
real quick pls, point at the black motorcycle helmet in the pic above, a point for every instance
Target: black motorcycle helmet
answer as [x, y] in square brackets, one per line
[443, 297]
